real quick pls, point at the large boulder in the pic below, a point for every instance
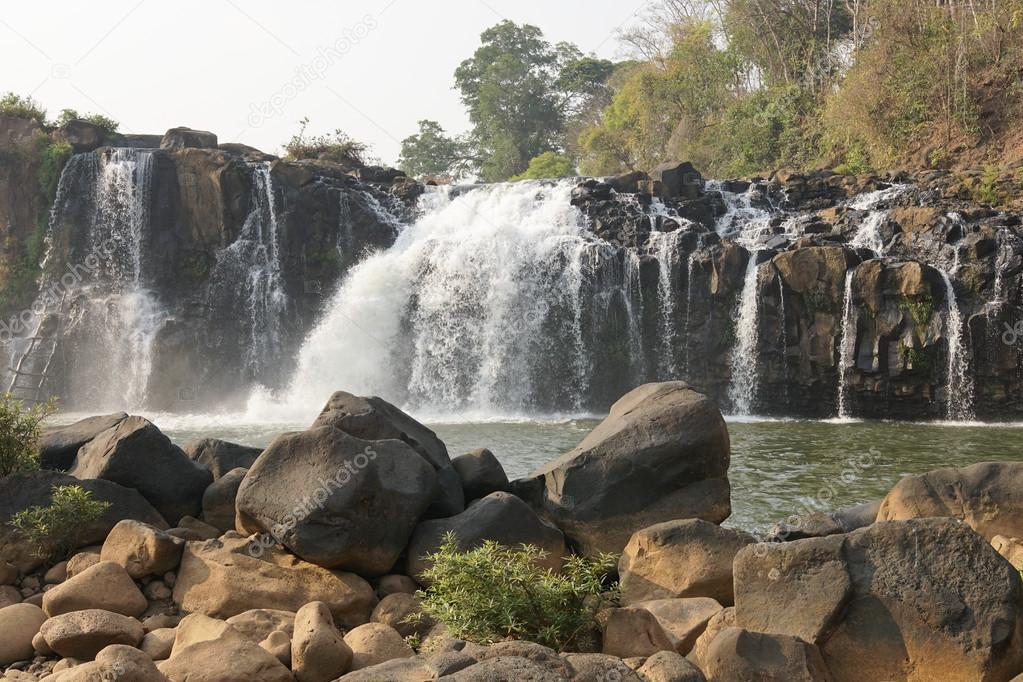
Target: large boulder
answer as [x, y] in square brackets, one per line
[138, 455]
[115, 663]
[501, 517]
[83, 634]
[987, 496]
[318, 652]
[60, 444]
[661, 454]
[480, 473]
[220, 456]
[375, 643]
[678, 180]
[372, 418]
[106, 586]
[29, 489]
[737, 654]
[219, 500]
[686, 558]
[183, 138]
[19, 623]
[231, 575]
[142, 549]
[207, 650]
[336, 500]
[928, 596]
[658, 625]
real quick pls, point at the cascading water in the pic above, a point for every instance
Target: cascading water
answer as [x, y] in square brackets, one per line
[690, 268]
[959, 387]
[868, 234]
[847, 347]
[664, 247]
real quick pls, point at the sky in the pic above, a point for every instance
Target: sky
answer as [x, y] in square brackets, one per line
[250, 70]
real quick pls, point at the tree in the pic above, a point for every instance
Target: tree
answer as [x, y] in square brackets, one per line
[547, 165]
[432, 152]
[105, 122]
[519, 90]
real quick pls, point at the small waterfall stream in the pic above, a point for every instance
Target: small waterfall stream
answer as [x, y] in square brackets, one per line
[664, 246]
[959, 387]
[847, 347]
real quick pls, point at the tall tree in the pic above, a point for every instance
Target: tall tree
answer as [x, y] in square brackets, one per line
[431, 151]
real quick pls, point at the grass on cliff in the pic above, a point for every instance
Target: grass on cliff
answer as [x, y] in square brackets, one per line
[56, 530]
[493, 593]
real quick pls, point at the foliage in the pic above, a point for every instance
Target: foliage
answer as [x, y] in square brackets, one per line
[56, 530]
[520, 90]
[547, 165]
[432, 152]
[13, 104]
[52, 157]
[337, 147]
[19, 434]
[106, 123]
[921, 310]
[493, 592]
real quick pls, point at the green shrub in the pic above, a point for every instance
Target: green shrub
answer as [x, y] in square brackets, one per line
[55, 531]
[19, 434]
[338, 147]
[105, 122]
[493, 593]
[547, 165]
[13, 104]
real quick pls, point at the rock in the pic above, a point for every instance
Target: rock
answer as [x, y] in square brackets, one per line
[220, 456]
[59, 445]
[318, 651]
[927, 595]
[480, 473]
[627, 182]
[501, 517]
[137, 455]
[221, 578]
[448, 662]
[141, 549]
[278, 645]
[157, 590]
[115, 663]
[160, 620]
[396, 670]
[19, 624]
[82, 560]
[182, 138]
[403, 612]
[218, 502]
[56, 574]
[195, 628]
[1010, 548]
[985, 496]
[9, 595]
[105, 586]
[530, 651]
[225, 657]
[724, 618]
[159, 643]
[686, 558]
[83, 634]
[375, 643]
[668, 666]
[23, 490]
[662, 454]
[372, 418]
[8, 573]
[737, 654]
[658, 625]
[507, 669]
[257, 624]
[83, 136]
[191, 528]
[678, 180]
[600, 668]
[396, 584]
[39, 645]
[358, 500]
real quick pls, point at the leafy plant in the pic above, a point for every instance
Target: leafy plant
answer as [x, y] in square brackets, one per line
[13, 104]
[547, 165]
[494, 592]
[19, 434]
[920, 310]
[337, 147]
[55, 531]
[105, 122]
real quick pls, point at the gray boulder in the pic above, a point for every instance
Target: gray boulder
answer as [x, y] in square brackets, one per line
[662, 454]
[501, 517]
[481, 473]
[136, 454]
[336, 500]
[218, 502]
[926, 595]
[220, 456]
[60, 444]
[678, 180]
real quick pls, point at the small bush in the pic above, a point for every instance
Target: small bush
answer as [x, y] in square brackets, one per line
[339, 147]
[105, 122]
[19, 434]
[547, 165]
[13, 104]
[55, 531]
[493, 592]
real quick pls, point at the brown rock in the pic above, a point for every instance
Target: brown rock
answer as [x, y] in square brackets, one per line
[375, 643]
[83, 634]
[19, 624]
[318, 651]
[105, 586]
[737, 654]
[141, 549]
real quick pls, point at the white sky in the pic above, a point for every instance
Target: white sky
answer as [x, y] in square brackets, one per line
[385, 64]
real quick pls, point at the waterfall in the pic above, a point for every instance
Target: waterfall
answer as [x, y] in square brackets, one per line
[632, 295]
[481, 306]
[868, 234]
[847, 347]
[690, 264]
[664, 246]
[959, 387]
[745, 369]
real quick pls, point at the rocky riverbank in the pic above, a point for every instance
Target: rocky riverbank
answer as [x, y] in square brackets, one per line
[215, 561]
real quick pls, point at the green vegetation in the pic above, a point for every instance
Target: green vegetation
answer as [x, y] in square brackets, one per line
[106, 123]
[547, 165]
[337, 147]
[492, 593]
[433, 153]
[55, 531]
[19, 434]
[916, 358]
[920, 309]
[13, 104]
